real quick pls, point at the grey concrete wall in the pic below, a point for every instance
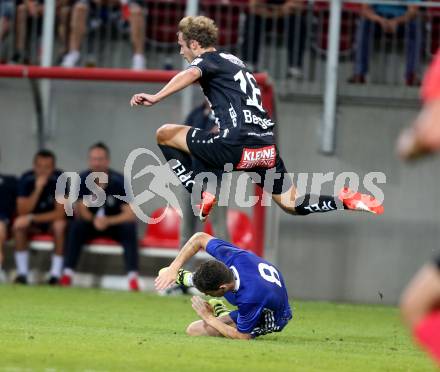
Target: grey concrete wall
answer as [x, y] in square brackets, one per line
[337, 256]
[354, 256]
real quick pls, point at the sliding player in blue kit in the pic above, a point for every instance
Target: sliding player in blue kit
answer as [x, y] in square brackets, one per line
[247, 281]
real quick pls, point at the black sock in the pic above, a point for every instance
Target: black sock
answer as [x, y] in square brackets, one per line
[181, 164]
[318, 204]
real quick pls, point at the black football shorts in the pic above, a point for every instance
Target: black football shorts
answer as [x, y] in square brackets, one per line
[261, 161]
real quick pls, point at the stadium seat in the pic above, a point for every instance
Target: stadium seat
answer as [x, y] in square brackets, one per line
[162, 239]
[239, 228]
[44, 242]
[207, 228]
[41, 242]
[164, 234]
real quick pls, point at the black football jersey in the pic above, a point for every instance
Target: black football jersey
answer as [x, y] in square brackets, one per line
[46, 202]
[235, 99]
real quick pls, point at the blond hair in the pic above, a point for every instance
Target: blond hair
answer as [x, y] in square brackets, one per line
[199, 28]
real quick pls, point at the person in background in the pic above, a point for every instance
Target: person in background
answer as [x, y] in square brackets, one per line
[270, 14]
[7, 14]
[29, 23]
[114, 219]
[420, 300]
[391, 19]
[100, 9]
[38, 212]
[29, 19]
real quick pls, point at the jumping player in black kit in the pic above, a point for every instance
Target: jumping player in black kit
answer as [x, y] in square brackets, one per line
[245, 136]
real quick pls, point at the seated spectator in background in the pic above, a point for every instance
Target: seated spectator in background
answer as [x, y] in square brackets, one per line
[8, 194]
[38, 212]
[114, 219]
[99, 9]
[391, 19]
[28, 19]
[269, 14]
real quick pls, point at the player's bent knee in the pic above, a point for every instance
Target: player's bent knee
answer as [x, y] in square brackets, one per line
[164, 133]
[196, 329]
[192, 329]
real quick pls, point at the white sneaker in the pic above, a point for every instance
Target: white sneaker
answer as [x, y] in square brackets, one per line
[138, 62]
[71, 59]
[295, 72]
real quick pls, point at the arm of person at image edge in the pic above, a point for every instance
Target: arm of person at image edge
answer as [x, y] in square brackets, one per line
[389, 25]
[423, 137]
[103, 222]
[28, 195]
[182, 80]
[167, 278]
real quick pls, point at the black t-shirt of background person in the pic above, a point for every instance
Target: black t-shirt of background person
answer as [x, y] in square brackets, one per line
[115, 186]
[8, 195]
[46, 201]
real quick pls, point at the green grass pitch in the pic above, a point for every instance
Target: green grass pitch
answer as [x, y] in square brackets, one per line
[76, 329]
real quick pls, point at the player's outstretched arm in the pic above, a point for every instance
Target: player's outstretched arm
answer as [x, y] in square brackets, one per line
[168, 277]
[424, 136]
[204, 311]
[180, 81]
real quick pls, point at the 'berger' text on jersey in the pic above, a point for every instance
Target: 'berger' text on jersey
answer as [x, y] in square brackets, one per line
[235, 98]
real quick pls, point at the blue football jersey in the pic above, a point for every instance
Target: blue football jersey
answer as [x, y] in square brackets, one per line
[259, 286]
